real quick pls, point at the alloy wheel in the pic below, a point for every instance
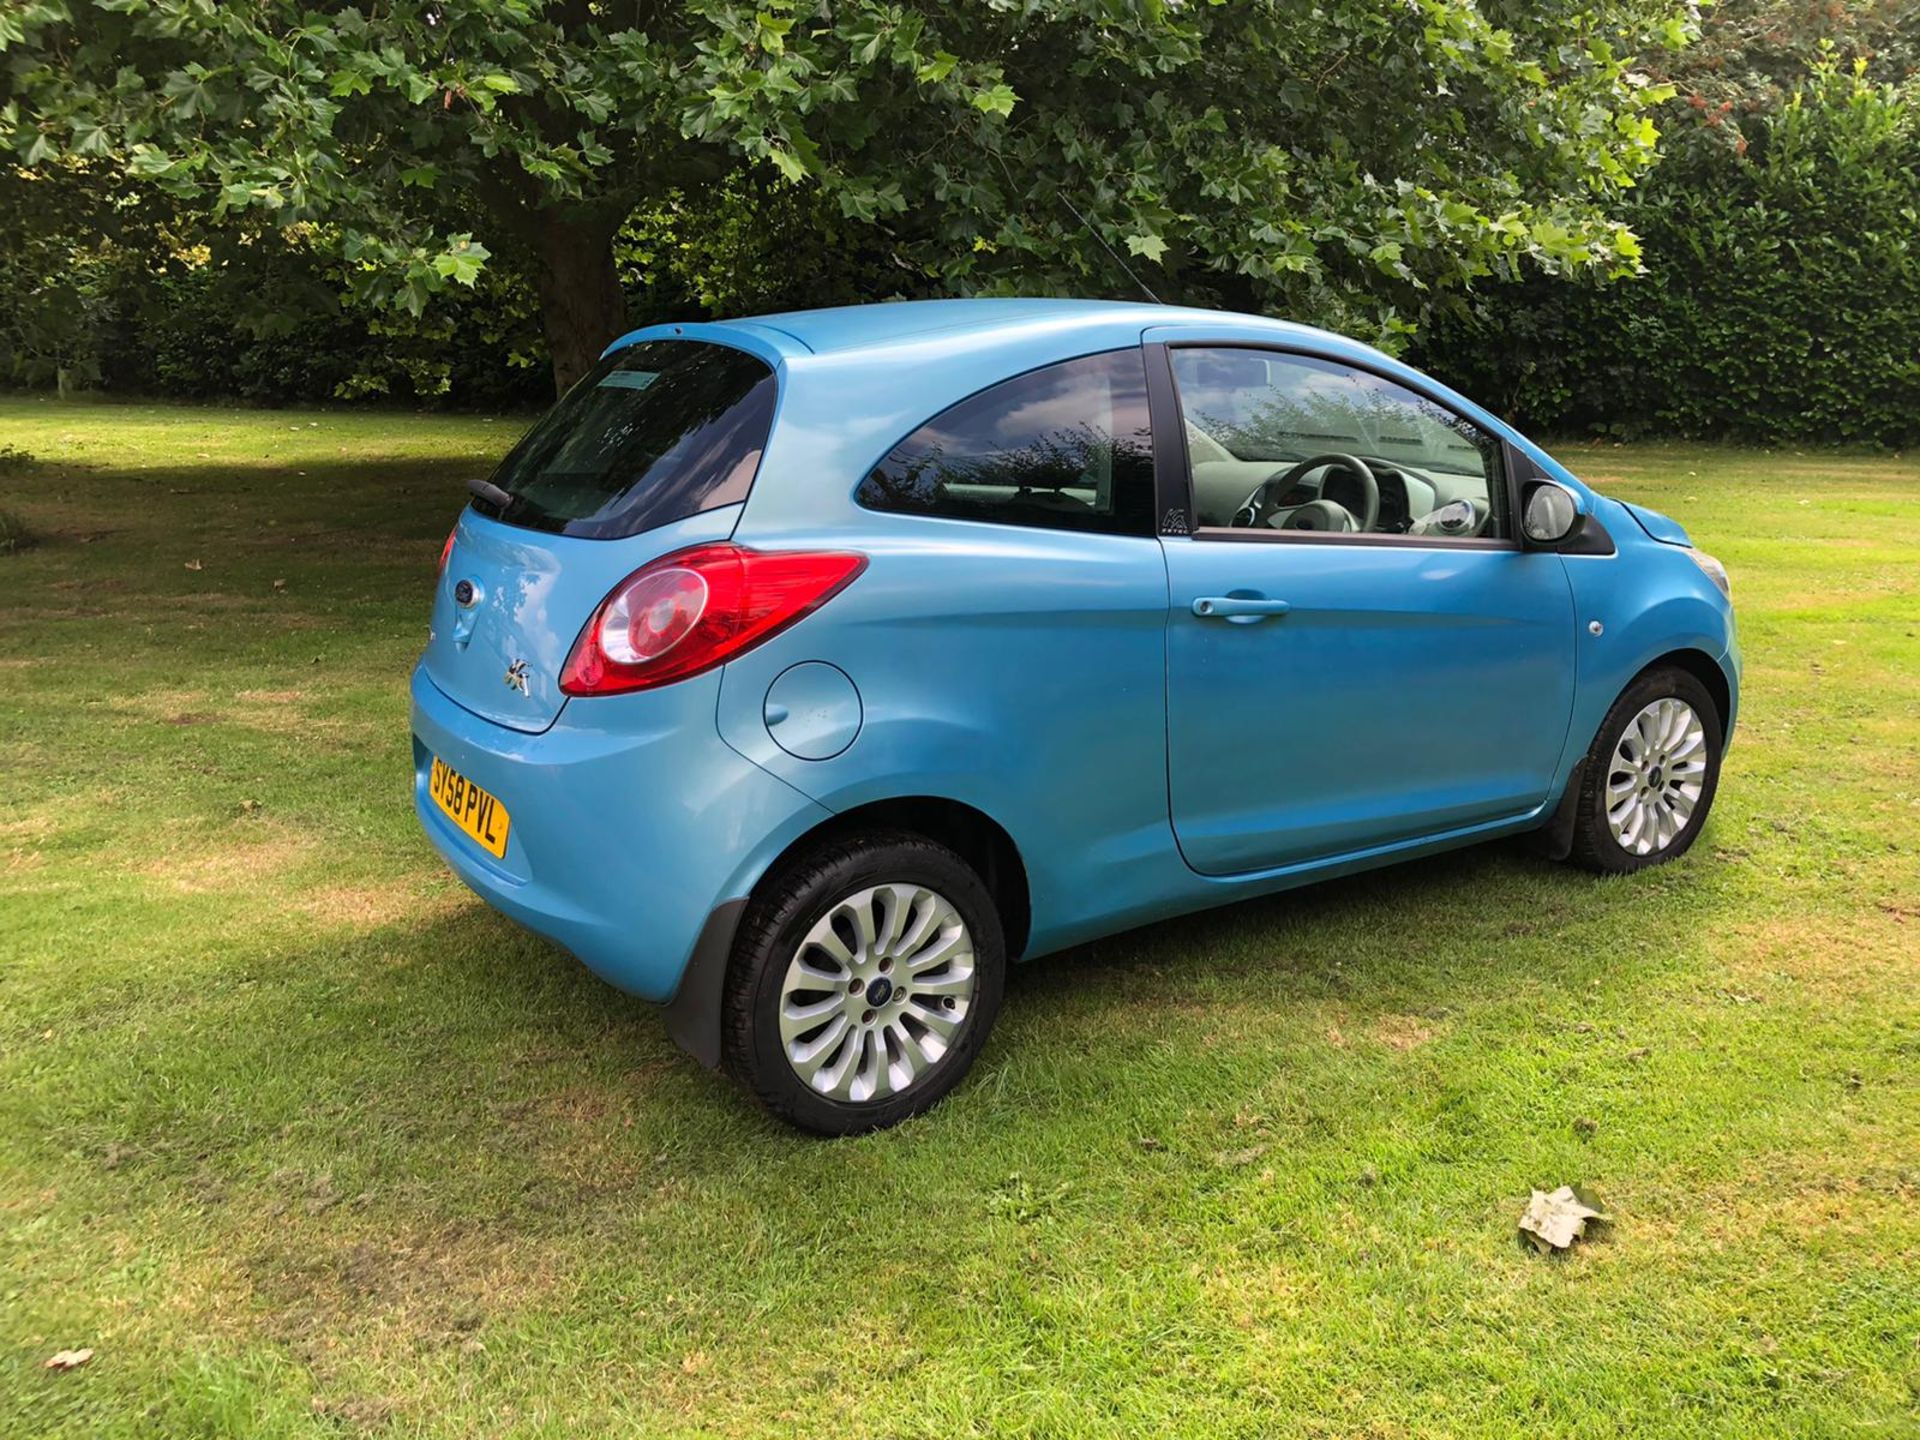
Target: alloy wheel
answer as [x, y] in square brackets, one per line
[1655, 781]
[876, 992]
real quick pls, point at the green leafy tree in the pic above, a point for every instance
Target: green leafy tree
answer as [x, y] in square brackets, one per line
[1753, 56]
[1346, 161]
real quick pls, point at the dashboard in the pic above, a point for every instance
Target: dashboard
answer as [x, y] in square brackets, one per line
[1404, 495]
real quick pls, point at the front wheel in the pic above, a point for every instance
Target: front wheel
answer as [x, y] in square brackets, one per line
[1651, 775]
[863, 982]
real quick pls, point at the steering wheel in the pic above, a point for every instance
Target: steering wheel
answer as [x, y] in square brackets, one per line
[1319, 514]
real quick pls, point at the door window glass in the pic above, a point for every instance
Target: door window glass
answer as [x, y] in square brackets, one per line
[1287, 442]
[1065, 447]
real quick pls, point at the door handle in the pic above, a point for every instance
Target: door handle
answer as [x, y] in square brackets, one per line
[1241, 608]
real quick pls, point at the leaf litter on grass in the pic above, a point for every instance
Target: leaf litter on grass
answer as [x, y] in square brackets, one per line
[1553, 1221]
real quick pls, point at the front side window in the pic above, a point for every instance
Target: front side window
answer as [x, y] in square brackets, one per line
[1288, 442]
[656, 432]
[1065, 447]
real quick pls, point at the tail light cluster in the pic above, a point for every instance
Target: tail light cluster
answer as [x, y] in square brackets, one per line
[697, 608]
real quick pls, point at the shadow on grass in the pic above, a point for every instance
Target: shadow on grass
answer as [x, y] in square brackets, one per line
[397, 501]
[430, 1053]
[1484, 908]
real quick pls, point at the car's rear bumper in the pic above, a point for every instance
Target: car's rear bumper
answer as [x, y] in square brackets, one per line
[632, 822]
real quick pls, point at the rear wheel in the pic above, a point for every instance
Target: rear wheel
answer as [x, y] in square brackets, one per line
[863, 982]
[1650, 778]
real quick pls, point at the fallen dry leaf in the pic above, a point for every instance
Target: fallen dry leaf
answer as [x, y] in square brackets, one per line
[69, 1359]
[1553, 1222]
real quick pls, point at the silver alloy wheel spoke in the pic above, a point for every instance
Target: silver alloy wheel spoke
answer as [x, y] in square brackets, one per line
[942, 949]
[1656, 776]
[822, 1044]
[945, 982]
[921, 1049]
[939, 1022]
[837, 1040]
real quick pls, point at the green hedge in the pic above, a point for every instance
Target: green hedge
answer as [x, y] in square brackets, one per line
[1781, 300]
[193, 336]
[262, 323]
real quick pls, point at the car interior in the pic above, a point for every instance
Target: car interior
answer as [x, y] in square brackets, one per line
[1344, 490]
[1292, 443]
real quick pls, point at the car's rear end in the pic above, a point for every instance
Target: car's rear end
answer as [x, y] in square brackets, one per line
[567, 760]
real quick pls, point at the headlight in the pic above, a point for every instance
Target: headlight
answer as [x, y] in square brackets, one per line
[1715, 571]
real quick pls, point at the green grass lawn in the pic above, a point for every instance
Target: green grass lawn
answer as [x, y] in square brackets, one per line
[301, 1139]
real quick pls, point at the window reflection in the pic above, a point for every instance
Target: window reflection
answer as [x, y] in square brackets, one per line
[1063, 447]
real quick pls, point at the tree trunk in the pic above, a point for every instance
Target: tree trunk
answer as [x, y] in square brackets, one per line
[581, 304]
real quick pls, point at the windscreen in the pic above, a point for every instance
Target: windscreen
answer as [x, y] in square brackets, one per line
[656, 432]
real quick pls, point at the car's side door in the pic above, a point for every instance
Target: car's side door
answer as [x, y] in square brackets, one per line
[1360, 653]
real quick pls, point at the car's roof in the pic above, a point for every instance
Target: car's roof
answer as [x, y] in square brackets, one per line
[860, 327]
[880, 369]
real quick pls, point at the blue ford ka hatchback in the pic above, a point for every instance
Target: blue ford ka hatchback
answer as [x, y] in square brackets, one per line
[802, 673]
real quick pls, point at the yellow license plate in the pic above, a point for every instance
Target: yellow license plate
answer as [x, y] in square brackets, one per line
[476, 812]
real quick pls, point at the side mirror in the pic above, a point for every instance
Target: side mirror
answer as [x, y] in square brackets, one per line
[1550, 513]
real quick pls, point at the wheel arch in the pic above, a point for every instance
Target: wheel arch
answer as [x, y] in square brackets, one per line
[1555, 839]
[970, 833]
[693, 1015]
[1704, 668]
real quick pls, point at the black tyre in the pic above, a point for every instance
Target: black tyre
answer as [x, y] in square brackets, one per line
[863, 982]
[1651, 775]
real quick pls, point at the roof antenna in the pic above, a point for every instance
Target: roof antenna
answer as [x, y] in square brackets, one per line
[1109, 249]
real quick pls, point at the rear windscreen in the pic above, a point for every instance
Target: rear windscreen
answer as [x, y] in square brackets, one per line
[656, 432]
